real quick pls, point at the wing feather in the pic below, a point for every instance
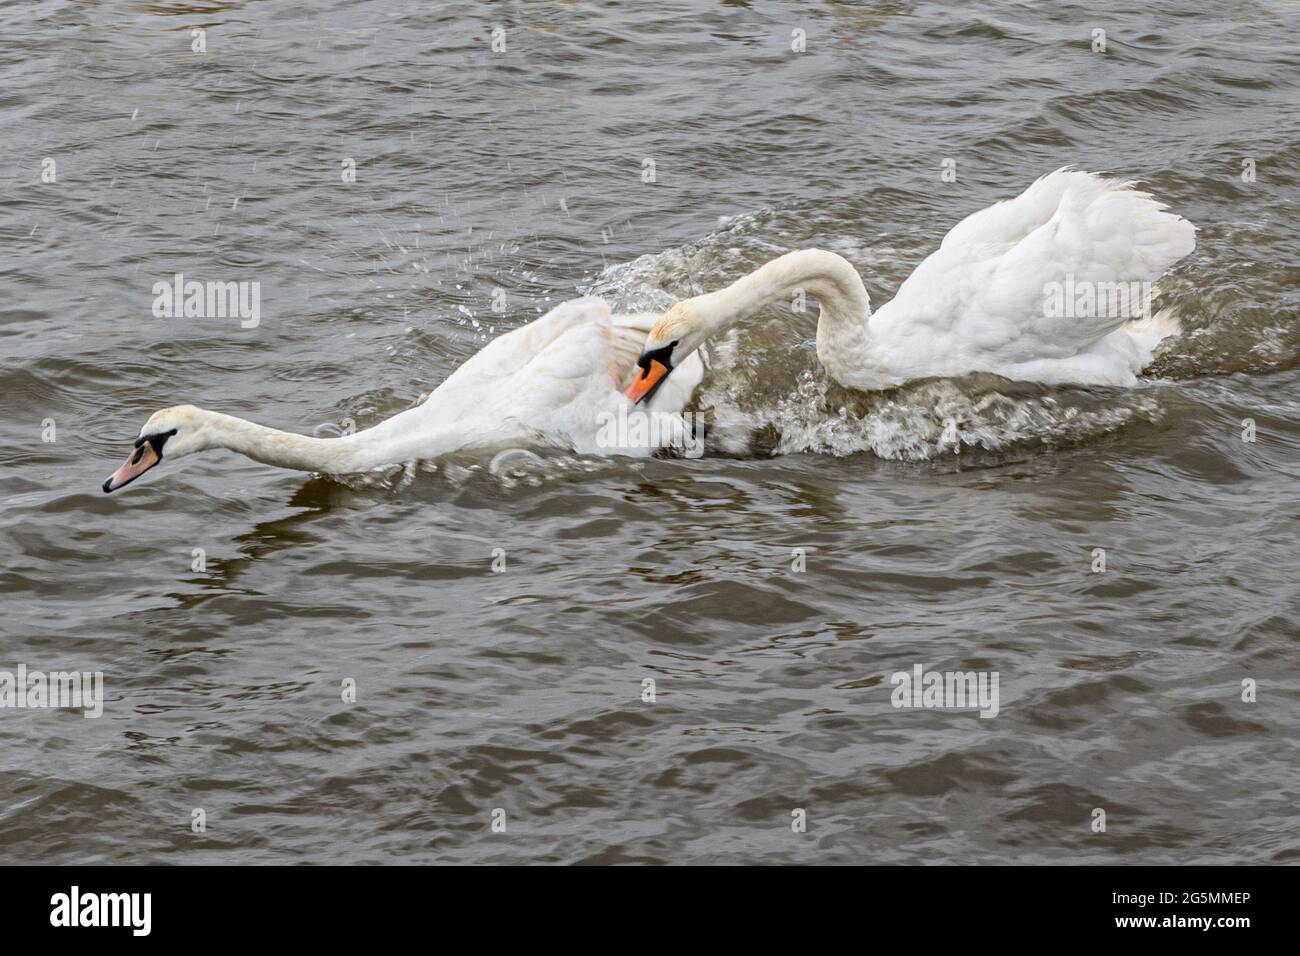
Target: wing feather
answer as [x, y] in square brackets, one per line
[981, 298]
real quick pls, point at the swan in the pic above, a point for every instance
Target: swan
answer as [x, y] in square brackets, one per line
[999, 295]
[553, 381]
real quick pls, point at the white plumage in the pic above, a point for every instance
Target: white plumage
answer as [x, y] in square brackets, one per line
[980, 302]
[553, 382]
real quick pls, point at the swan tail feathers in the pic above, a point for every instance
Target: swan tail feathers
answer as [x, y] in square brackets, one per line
[1091, 266]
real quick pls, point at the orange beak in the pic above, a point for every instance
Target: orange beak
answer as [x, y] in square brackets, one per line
[142, 459]
[646, 381]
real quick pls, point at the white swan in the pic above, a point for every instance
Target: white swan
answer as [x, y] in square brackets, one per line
[554, 381]
[1006, 292]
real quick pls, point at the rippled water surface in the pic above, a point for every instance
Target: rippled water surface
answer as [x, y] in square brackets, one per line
[948, 523]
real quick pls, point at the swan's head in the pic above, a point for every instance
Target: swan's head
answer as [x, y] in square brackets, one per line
[677, 334]
[180, 430]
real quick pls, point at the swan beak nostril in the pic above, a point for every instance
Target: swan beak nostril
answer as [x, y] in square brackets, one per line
[141, 460]
[646, 381]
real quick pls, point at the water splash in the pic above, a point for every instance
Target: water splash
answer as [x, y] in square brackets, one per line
[947, 417]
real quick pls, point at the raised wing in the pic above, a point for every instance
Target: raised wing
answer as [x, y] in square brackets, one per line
[984, 298]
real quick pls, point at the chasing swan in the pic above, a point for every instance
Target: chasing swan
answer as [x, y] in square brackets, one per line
[981, 303]
[550, 382]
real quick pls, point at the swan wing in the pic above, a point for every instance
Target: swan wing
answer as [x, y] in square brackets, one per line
[580, 342]
[556, 373]
[529, 383]
[981, 302]
[567, 341]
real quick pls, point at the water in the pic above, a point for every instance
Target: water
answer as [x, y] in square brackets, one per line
[951, 524]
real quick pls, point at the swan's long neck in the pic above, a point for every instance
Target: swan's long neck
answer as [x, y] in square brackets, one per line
[845, 306]
[349, 453]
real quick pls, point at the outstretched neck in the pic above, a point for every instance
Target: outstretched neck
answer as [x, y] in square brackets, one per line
[288, 450]
[825, 276]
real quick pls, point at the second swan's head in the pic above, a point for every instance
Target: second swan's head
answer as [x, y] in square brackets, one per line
[179, 430]
[676, 335]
